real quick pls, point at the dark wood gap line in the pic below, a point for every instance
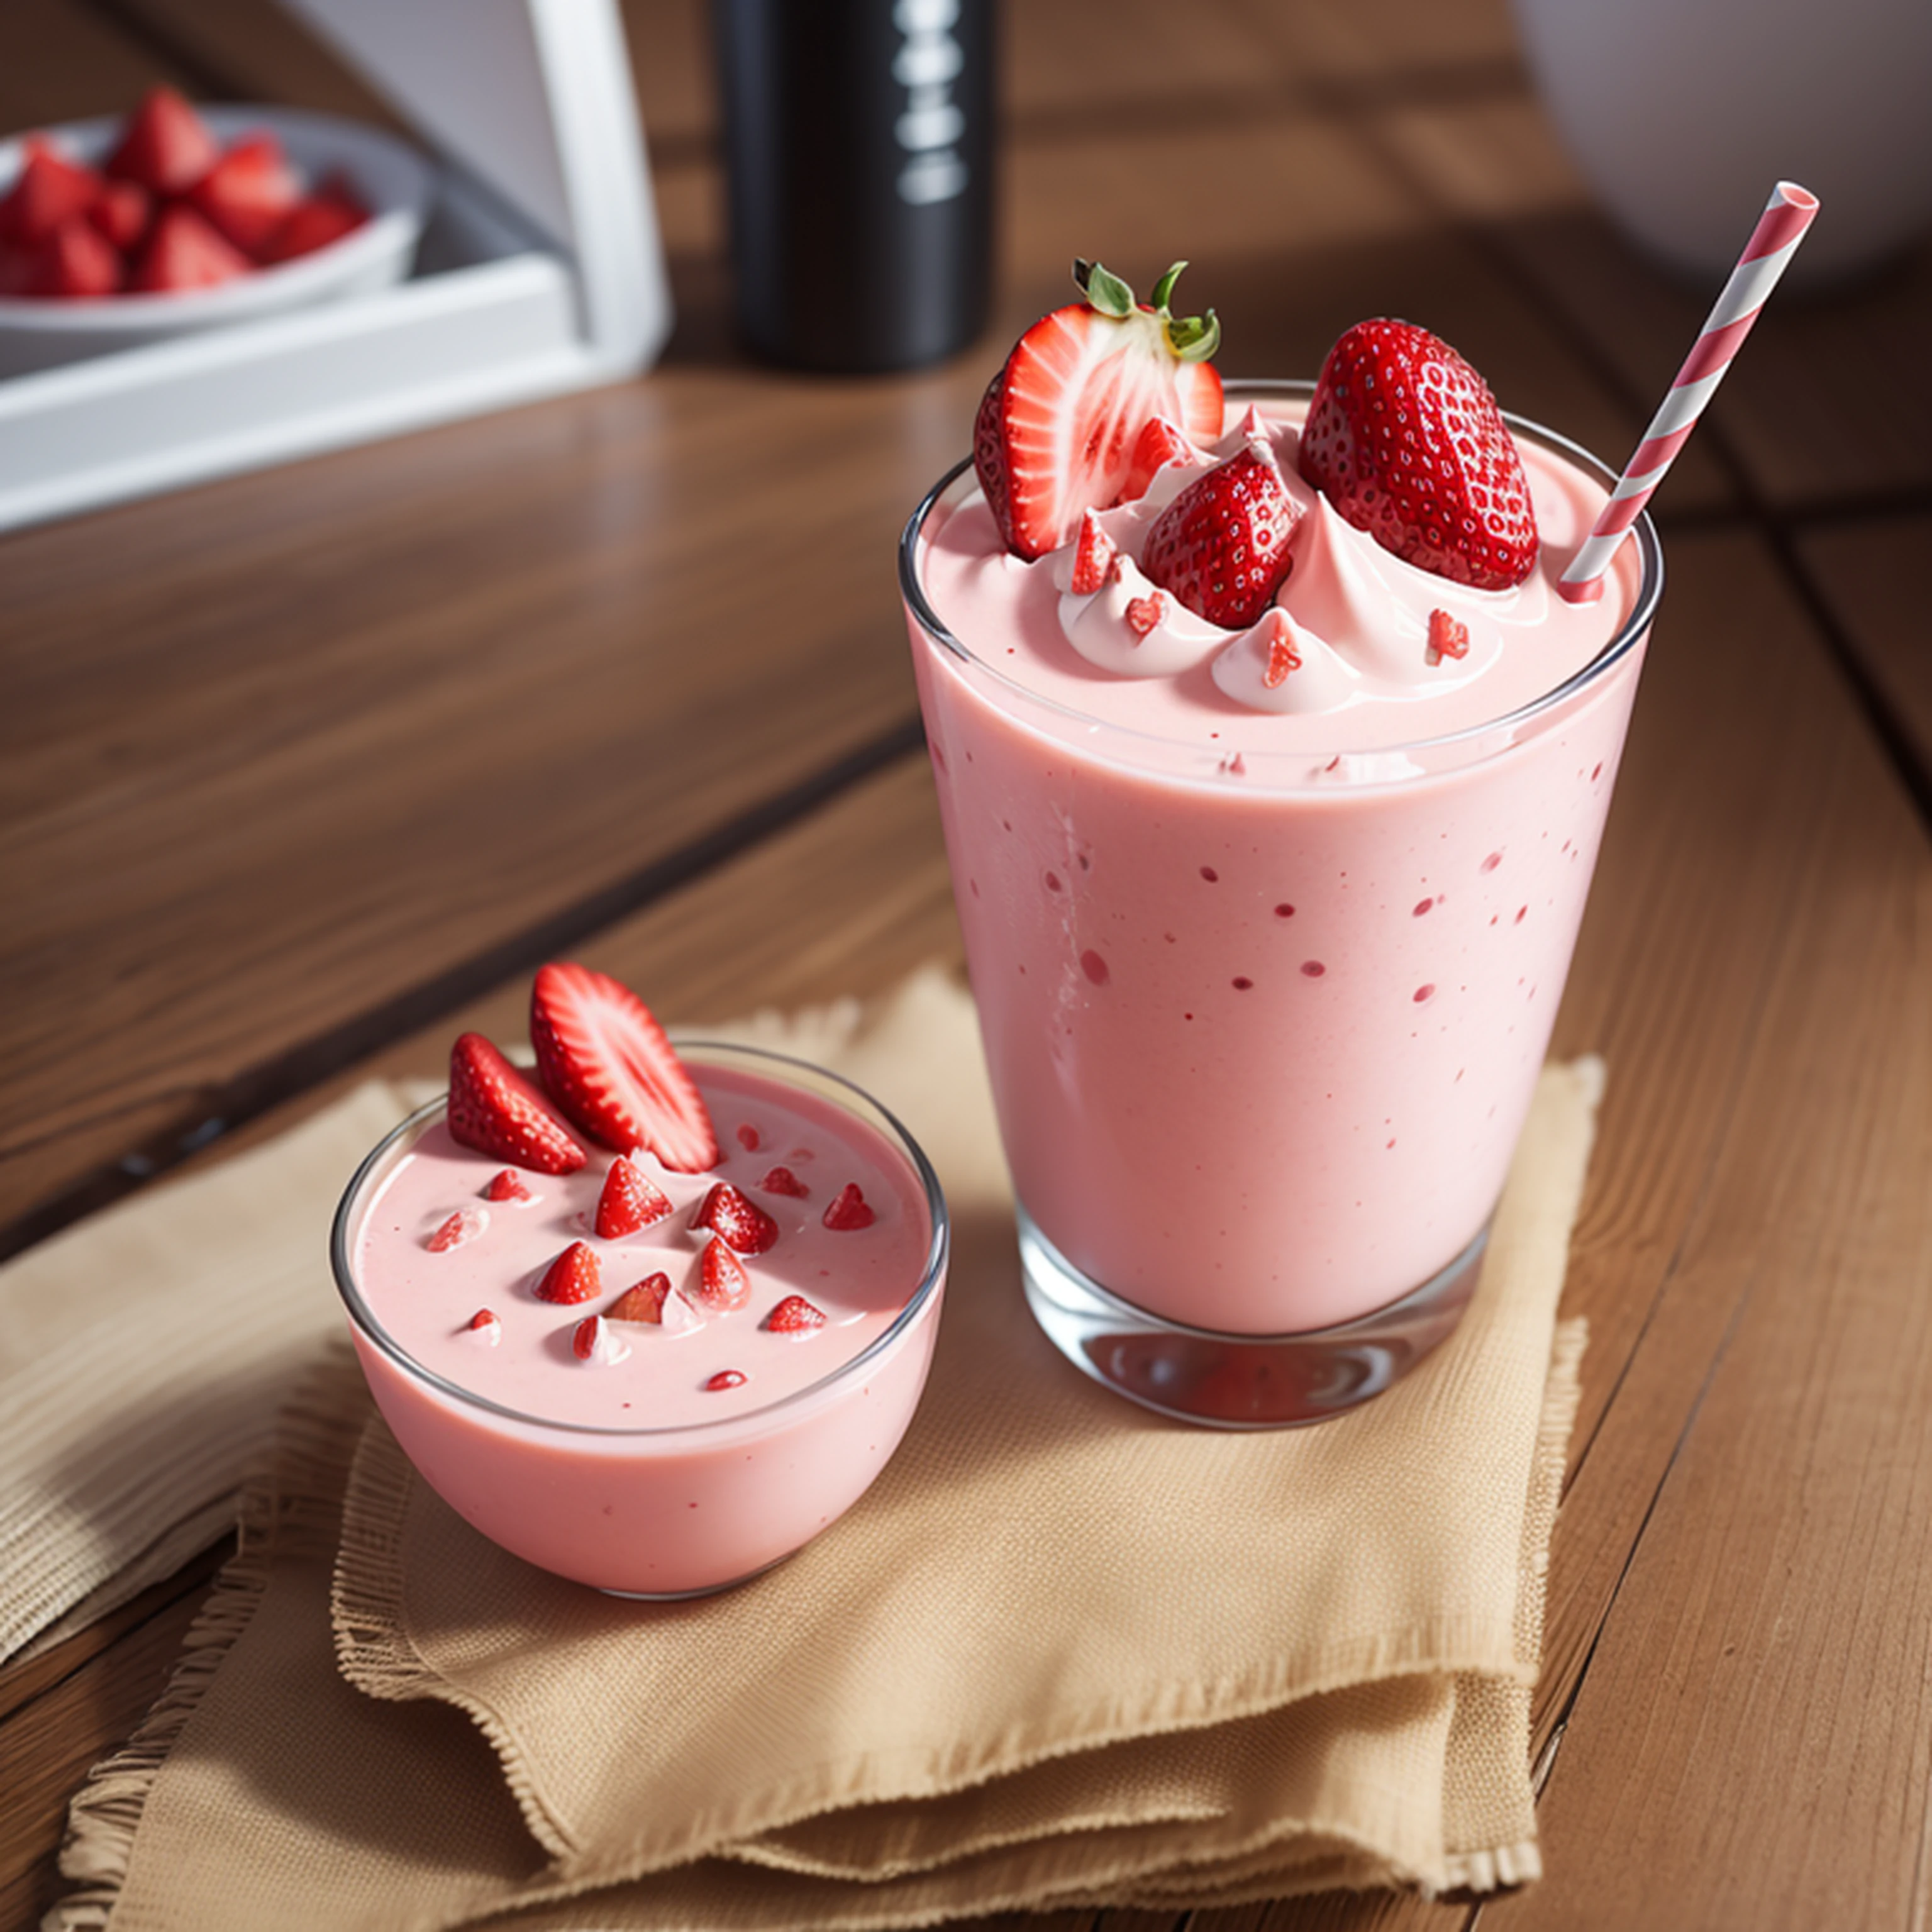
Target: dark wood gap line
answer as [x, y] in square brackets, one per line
[220, 1109]
[189, 64]
[1910, 500]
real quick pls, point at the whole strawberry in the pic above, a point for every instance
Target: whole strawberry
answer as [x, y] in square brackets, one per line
[1059, 425]
[1404, 440]
[1221, 547]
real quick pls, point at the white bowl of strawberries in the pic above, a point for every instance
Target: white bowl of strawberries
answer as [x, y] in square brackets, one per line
[117, 233]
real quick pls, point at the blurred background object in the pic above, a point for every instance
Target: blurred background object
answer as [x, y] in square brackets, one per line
[1680, 112]
[858, 145]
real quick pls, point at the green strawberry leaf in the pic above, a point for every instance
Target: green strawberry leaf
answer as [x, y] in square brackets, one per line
[1104, 290]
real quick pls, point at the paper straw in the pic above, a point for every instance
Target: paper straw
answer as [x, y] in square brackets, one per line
[1767, 255]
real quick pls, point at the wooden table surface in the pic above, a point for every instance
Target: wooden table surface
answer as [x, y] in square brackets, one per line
[300, 771]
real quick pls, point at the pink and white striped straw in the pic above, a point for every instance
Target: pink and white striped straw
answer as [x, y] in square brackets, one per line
[1767, 255]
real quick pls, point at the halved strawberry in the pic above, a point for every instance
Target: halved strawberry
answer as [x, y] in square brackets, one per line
[122, 212]
[644, 1302]
[1448, 637]
[313, 224]
[184, 252]
[1404, 440]
[606, 1063]
[1094, 555]
[782, 1180]
[722, 1282]
[75, 261]
[1058, 425]
[593, 1342]
[507, 1186]
[249, 192]
[574, 1277]
[167, 147]
[850, 1212]
[465, 1224]
[794, 1315]
[749, 1138]
[737, 1220]
[629, 1202]
[1221, 547]
[1158, 444]
[494, 1109]
[50, 189]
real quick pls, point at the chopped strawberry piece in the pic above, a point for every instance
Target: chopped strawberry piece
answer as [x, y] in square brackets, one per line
[167, 147]
[1094, 560]
[485, 1324]
[184, 252]
[1158, 444]
[850, 1212]
[494, 1109]
[75, 262]
[50, 191]
[593, 1342]
[1448, 636]
[794, 1315]
[1145, 612]
[645, 1302]
[749, 1139]
[1222, 545]
[1283, 657]
[782, 1180]
[726, 1378]
[507, 1186]
[1058, 425]
[737, 1220]
[574, 1276]
[465, 1224]
[722, 1282]
[606, 1063]
[630, 1200]
[310, 225]
[1404, 440]
[249, 192]
[122, 212]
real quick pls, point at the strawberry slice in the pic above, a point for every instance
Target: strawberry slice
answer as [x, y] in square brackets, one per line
[606, 1063]
[850, 1212]
[782, 1180]
[167, 147]
[794, 1315]
[184, 252]
[593, 1342]
[249, 192]
[629, 1202]
[1404, 440]
[465, 1224]
[1448, 637]
[49, 190]
[1221, 547]
[75, 261]
[312, 224]
[1144, 613]
[643, 1302]
[726, 1378]
[122, 212]
[507, 1186]
[494, 1109]
[1093, 556]
[722, 1282]
[1058, 425]
[485, 1327]
[748, 1138]
[574, 1277]
[1283, 659]
[737, 1220]
[1158, 444]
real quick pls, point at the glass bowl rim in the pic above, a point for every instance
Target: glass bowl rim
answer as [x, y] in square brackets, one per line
[933, 1272]
[1650, 589]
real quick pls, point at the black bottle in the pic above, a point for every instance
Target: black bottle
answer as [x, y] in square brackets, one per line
[859, 147]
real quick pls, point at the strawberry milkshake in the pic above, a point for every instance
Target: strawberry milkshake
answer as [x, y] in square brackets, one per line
[657, 1371]
[1273, 769]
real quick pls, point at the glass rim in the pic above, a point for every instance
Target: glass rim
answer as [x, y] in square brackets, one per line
[1650, 589]
[938, 1248]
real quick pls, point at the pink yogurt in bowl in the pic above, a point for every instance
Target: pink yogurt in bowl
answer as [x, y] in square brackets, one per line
[653, 1460]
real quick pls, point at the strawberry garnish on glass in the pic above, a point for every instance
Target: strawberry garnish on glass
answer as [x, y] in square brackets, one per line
[1404, 440]
[1060, 425]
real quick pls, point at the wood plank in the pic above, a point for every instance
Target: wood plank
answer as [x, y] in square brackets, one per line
[59, 61]
[1872, 575]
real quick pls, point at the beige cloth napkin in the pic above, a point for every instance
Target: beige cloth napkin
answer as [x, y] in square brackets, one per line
[1063, 1653]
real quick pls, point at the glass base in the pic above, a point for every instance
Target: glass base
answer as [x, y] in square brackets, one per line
[1239, 1381]
[704, 1590]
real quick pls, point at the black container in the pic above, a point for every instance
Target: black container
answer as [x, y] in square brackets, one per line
[858, 144]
